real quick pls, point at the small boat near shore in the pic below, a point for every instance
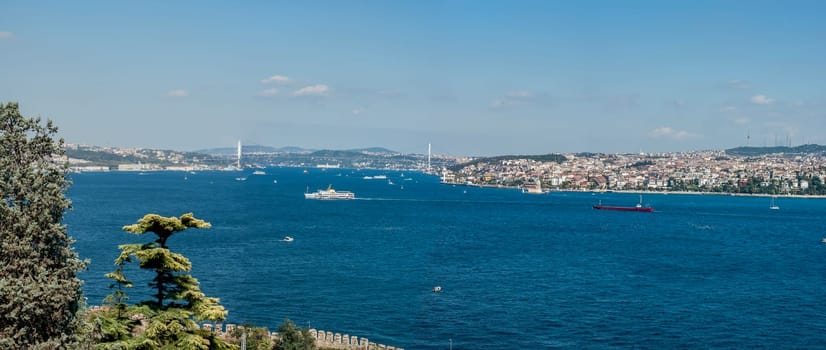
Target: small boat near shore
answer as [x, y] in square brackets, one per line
[287, 239]
[637, 208]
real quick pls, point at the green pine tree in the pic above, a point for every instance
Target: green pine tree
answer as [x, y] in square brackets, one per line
[39, 290]
[169, 320]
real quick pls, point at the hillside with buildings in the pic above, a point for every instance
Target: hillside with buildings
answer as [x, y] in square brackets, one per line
[703, 171]
[756, 170]
[95, 158]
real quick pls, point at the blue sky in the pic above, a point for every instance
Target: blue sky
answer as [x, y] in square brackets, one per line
[471, 77]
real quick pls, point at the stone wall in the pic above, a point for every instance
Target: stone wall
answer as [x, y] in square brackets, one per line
[327, 339]
[323, 339]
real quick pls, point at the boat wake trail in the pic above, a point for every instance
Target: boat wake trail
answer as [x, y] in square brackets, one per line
[393, 199]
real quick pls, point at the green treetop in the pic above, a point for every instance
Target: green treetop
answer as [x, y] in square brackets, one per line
[174, 285]
[39, 290]
[169, 319]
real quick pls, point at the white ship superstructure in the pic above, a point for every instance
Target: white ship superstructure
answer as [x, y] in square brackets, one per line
[329, 194]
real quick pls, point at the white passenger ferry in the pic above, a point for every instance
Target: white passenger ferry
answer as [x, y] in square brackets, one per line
[329, 193]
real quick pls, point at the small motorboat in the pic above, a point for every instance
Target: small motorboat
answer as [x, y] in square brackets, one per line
[437, 289]
[287, 239]
[823, 240]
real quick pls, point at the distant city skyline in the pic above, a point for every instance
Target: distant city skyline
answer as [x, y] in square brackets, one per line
[471, 78]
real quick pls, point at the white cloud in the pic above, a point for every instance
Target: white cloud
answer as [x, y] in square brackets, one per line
[6, 35]
[761, 100]
[280, 79]
[357, 111]
[177, 93]
[268, 93]
[670, 133]
[728, 109]
[313, 90]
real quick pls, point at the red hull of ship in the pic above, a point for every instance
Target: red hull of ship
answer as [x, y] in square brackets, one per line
[639, 209]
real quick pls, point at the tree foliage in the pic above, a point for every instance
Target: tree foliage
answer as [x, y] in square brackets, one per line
[174, 285]
[169, 320]
[294, 338]
[255, 338]
[141, 327]
[39, 291]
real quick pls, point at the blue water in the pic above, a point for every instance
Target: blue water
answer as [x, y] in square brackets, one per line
[517, 271]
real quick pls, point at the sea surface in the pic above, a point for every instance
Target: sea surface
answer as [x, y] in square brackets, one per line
[517, 271]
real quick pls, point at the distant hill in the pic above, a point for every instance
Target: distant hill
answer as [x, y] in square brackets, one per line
[112, 157]
[97, 157]
[227, 151]
[759, 151]
[335, 154]
[374, 150]
[552, 157]
[247, 149]
[88, 156]
[293, 149]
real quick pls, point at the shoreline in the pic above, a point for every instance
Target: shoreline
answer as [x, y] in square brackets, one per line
[694, 193]
[544, 191]
[727, 194]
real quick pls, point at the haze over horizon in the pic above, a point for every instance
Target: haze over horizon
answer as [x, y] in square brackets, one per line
[472, 78]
